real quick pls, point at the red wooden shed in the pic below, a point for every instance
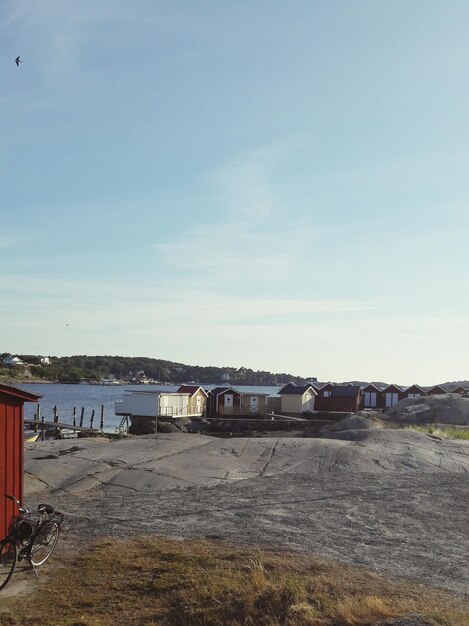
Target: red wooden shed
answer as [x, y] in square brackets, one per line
[390, 396]
[371, 395]
[224, 401]
[415, 391]
[11, 450]
[342, 398]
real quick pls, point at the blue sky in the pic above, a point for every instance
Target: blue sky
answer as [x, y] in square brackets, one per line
[273, 185]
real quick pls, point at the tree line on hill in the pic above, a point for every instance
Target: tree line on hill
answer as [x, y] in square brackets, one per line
[74, 369]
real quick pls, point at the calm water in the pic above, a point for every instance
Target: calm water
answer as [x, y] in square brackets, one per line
[66, 397]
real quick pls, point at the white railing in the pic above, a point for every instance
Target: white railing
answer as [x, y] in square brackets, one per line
[179, 411]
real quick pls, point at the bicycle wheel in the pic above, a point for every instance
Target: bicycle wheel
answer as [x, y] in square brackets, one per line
[8, 556]
[44, 543]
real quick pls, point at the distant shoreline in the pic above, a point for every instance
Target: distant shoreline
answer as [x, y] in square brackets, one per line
[25, 381]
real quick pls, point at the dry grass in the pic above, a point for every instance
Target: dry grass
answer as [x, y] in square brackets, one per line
[149, 582]
[446, 432]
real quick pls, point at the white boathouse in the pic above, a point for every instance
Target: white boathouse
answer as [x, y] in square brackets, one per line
[156, 404]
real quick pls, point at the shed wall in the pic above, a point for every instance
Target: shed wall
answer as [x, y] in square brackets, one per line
[246, 408]
[338, 404]
[274, 404]
[193, 406]
[222, 405]
[173, 404]
[11, 459]
[137, 403]
[291, 403]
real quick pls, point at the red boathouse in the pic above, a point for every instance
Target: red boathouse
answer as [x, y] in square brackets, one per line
[11, 450]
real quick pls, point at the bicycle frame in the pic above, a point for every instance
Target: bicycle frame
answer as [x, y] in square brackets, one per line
[24, 530]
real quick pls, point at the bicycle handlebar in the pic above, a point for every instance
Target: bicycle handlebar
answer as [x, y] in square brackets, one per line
[42, 508]
[21, 509]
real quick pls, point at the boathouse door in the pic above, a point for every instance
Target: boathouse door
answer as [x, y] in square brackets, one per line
[370, 399]
[254, 404]
[228, 405]
[391, 399]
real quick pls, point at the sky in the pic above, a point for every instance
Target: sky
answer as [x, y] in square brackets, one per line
[277, 185]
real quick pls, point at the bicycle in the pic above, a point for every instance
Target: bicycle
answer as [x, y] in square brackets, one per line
[29, 539]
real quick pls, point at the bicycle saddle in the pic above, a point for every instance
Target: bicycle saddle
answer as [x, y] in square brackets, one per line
[46, 507]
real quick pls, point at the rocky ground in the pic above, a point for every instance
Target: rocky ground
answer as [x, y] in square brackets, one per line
[446, 408]
[393, 500]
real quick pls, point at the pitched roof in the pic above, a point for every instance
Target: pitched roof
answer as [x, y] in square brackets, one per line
[415, 389]
[218, 390]
[437, 389]
[296, 390]
[371, 387]
[192, 389]
[345, 391]
[390, 388]
[6, 390]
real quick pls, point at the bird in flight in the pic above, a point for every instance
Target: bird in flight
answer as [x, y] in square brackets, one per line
[18, 61]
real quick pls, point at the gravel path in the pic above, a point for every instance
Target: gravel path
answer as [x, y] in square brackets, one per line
[408, 524]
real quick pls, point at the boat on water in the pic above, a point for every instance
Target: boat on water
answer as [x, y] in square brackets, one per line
[30, 436]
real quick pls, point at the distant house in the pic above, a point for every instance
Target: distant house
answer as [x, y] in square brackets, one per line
[370, 398]
[297, 398]
[12, 360]
[197, 397]
[460, 389]
[414, 391]
[436, 390]
[342, 398]
[224, 401]
[391, 396]
[44, 360]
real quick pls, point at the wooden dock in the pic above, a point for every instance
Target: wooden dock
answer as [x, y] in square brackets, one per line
[52, 425]
[58, 430]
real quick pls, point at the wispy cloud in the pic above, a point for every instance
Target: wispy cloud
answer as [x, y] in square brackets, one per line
[230, 252]
[160, 299]
[243, 188]
[252, 240]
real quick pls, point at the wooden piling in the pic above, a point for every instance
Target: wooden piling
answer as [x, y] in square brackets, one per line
[74, 415]
[101, 425]
[56, 415]
[82, 415]
[92, 419]
[37, 415]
